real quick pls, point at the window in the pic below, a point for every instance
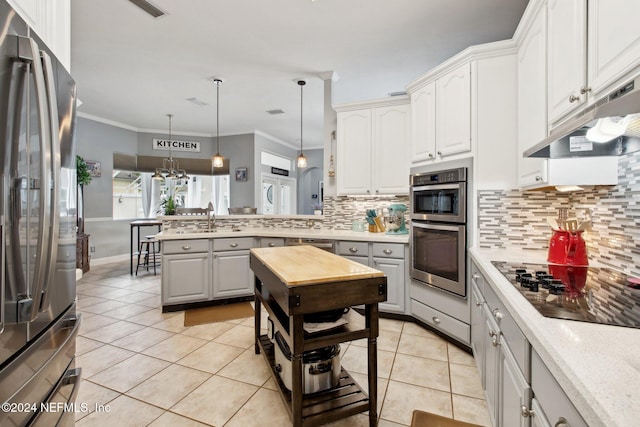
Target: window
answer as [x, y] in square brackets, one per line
[136, 195]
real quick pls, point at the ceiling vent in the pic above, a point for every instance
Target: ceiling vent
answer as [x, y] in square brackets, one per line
[196, 101]
[148, 7]
[274, 112]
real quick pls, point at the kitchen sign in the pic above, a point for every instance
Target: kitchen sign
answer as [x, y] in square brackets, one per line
[175, 145]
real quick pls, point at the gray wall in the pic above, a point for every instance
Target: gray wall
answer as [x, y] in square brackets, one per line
[308, 179]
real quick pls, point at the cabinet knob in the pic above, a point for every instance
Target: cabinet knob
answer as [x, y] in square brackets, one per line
[388, 251]
[205, 256]
[368, 191]
[478, 303]
[377, 191]
[439, 153]
[573, 98]
[562, 422]
[271, 245]
[492, 333]
[538, 178]
[186, 247]
[233, 245]
[526, 412]
[495, 341]
[497, 314]
[353, 250]
[585, 89]
[475, 276]
[435, 319]
[430, 156]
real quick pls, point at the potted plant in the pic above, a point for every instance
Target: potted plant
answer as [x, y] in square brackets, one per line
[82, 178]
[169, 206]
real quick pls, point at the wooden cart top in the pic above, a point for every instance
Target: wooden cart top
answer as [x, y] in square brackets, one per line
[308, 265]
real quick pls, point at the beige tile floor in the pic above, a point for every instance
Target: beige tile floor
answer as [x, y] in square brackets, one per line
[148, 369]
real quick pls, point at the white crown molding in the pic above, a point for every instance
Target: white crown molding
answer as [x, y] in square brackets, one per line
[373, 103]
[528, 16]
[106, 121]
[472, 53]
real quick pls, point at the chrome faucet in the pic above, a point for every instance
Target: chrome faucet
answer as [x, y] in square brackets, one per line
[211, 217]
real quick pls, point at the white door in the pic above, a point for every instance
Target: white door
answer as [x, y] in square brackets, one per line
[423, 123]
[278, 195]
[391, 149]
[453, 113]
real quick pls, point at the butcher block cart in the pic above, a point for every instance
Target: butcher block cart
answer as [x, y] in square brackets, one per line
[292, 281]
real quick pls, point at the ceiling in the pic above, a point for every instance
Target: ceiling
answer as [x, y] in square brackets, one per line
[133, 69]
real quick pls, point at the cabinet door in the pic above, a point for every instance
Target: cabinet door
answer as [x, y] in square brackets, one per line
[391, 149]
[532, 100]
[567, 56]
[394, 270]
[232, 275]
[453, 113]
[538, 419]
[515, 392]
[491, 364]
[478, 330]
[354, 152]
[423, 123]
[614, 41]
[175, 268]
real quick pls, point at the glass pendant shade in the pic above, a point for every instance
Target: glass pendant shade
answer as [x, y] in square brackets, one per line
[218, 161]
[302, 161]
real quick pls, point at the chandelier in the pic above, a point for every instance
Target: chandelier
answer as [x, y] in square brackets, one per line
[170, 167]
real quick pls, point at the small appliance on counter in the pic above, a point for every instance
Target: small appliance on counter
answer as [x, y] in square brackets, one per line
[566, 245]
[394, 222]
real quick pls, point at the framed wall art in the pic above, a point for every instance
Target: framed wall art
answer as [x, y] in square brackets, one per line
[241, 174]
[94, 168]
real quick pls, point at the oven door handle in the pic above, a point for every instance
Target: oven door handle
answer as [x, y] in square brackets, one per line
[453, 186]
[437, 226]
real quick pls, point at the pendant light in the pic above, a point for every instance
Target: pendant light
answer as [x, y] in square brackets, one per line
[218, 160]
[170, 167]
[302, 159]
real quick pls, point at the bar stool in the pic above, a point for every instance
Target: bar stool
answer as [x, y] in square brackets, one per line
[147, 250]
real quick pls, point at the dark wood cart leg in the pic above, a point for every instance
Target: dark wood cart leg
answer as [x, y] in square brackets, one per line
[297, 336]
[258, 314]
[371, 319]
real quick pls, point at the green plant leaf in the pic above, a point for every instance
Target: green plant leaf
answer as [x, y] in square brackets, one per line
[82, 172]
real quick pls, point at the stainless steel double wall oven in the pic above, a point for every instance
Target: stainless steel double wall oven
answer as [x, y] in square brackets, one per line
[439, 230]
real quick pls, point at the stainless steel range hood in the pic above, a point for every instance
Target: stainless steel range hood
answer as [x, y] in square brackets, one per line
[609, 127]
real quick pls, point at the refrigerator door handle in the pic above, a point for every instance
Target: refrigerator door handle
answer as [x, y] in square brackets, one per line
[33, 57]
[53, 184]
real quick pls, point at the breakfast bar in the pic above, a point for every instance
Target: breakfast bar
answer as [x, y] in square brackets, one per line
[293, 281]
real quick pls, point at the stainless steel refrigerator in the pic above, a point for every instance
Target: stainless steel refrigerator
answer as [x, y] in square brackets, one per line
[38, 321]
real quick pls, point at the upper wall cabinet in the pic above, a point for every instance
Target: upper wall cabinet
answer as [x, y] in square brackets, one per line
[373, 148]
[51, 20]
[453, 111]
[441, 116]
[567, 56]
[532, 99]
[593, 46]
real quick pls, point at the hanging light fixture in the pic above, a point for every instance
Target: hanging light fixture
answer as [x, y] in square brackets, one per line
[170, 168]
[218, 160]
[302, 159]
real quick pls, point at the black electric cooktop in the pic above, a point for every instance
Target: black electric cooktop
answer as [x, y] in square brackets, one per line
[586, 294]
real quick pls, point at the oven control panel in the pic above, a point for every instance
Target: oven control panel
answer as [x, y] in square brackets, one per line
[453, 175]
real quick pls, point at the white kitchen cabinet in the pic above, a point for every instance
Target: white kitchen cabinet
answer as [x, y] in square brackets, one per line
[538, 419]
[514, 391]
[423, 123]
[232, 274]
[491, 366]
[453, 111]
[373, 148]
[532, 97]
[553, 403]
[593, 46]
[386, 257]
[51, 20]
[271, 242]
[566, 56]
[478, 328]
[185, 278]
[614, 43]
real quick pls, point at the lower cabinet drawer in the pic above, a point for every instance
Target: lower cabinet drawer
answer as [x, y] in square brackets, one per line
[352, 248]
[230, 244]
[441, 321]
[388, 250]
[185, 246]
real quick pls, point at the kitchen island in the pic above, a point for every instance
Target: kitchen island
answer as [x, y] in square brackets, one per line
[297, 280]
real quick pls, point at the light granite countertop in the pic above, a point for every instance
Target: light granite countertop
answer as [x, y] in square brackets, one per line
[597, 366]
[364, 236]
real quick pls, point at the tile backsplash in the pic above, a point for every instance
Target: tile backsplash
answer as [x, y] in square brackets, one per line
[513, 218]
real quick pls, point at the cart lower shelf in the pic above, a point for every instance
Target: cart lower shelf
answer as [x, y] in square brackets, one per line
[342, 401]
